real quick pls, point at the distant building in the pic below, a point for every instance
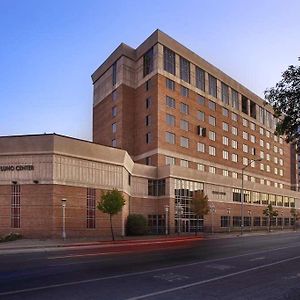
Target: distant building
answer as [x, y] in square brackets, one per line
[178, 125]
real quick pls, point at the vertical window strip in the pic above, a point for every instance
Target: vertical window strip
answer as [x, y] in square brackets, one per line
[16, 206]
[91, 208]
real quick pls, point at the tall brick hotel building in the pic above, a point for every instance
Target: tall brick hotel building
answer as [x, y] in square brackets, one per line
[166, 123]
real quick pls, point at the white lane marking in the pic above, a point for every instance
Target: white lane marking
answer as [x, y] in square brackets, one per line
[139, 273]
[219, 267]
[197, 283]
[257, 258]
[296, 276]
[171, 277]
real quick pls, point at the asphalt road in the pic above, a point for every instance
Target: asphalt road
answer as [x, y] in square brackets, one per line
[254, 267]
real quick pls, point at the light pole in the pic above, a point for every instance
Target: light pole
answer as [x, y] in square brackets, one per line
[179, 209]
[64, 203]
[228, 213]
[242, 192]
[212, 209]
[282, 220]
[167, 219]
[249, 213]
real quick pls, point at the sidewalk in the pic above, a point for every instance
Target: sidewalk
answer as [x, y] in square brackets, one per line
[43, 244]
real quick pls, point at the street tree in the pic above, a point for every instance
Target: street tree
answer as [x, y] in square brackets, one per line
[296, 216]
[111, 203]
[199, 206]
[270, 213]
[285, 99]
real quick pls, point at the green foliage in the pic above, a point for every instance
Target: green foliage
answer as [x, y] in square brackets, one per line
[10, 237]
[285, 99]
[270, 213]
[295, 214]
[111, 203]
[199, 204]
[137, 225]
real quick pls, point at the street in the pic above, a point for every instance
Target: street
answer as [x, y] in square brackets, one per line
[248, 267]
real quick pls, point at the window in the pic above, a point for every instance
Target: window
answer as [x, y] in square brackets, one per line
[201, 131]
[200, 115]
[212, 170]
[225, 112]
[148, 84]
[200, 167]
[114, 111]
[255, 198]
[170, 160]
[212, 120]
[225, 173]
[280, 151]
[148, 62]
[91, 208]
[184, 91]
[170, 84]
[256, 221]
[212, 82]
[262, 154]
[262, 167]
[212, 135]
[15, 206]
[234, 99]
[184, 69]
[148, 102]
[225, 221]
[234, 175]
[184, 108]
[245, 135]
[200, 147]
[234, 144]
[245, 122]
[234, 130]
[211, 105]
[114, 127]
[234, 117]
[236, 221]
[252, 138]
[244, 105]
[225, 140]
[275, 149]
[267, 133]
[252, 126]
[114, 143]
[156, 224]
[261, 143]
[156, 187]
[170, 138]
[184, 163]
[200, 100]
[234, 157]
[212, 150]
[184, 142]
[245, 161]
[148, 120]
[148, 138]
[148, 161]
[252, 109]
[200, 79]
[261, 130]
[170, 120]
[225, 154]
[169, 61]
[245, 148]
[184, 125]
[114, 73]
[114, 95]
[225, 126]
[268, 157]
[225, 93]
[170, 102]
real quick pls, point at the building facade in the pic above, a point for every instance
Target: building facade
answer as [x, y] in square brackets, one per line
[166, 124]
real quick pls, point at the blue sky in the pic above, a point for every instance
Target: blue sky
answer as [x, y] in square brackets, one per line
[49, 49]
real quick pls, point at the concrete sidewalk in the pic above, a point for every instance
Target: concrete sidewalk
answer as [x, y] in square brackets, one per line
[27, 244]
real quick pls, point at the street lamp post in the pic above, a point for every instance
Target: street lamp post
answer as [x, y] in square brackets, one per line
[179, 209]
[64, 203]
[250, 213]
[228, 213]
[242, 193]
[282, 220]
[167, 219]
[212, 210]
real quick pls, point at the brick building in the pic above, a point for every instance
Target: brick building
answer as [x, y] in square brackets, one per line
[166, 123]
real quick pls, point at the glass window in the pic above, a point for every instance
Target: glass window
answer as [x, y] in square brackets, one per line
[234, 144]
[114, 127]
[114, 73]
[184, 108]
[212, 85]
[200, 79]
[212, 135]
[170, 160]
[148, 62]
[212, 120]
[184, 69]
[170, 137]
[244, 105]
[200, 115]
[234, 157]
[184, 142]
[200, 100]
[114, 111]
[114, 143]
[200, 147]
[170, 84]
[148, 102]
[148, 138]
[169, 61]
[184, 163]
[212, 170]
[184, 91]
[91, 208]
[148, 120]
[184, 125]
[234, 117]
[200, 167]
[225, 154]
[212, 150]
[15, 206]
[234, 130]
[212, 105]
[170, 102]
[224, 112]
[225, 93]
[225, 140]
[234, 99]
[225, 126]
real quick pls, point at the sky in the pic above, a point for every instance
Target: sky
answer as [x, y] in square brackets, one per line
[49, 49]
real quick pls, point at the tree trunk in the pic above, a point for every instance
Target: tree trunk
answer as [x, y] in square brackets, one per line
[111, 228]
[269, 224]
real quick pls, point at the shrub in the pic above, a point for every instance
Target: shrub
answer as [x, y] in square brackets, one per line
[11, 237]
[136, 225]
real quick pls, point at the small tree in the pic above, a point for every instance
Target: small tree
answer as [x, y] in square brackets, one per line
[111, 203]
[199, 206]
[295, 215]
[270, 213]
